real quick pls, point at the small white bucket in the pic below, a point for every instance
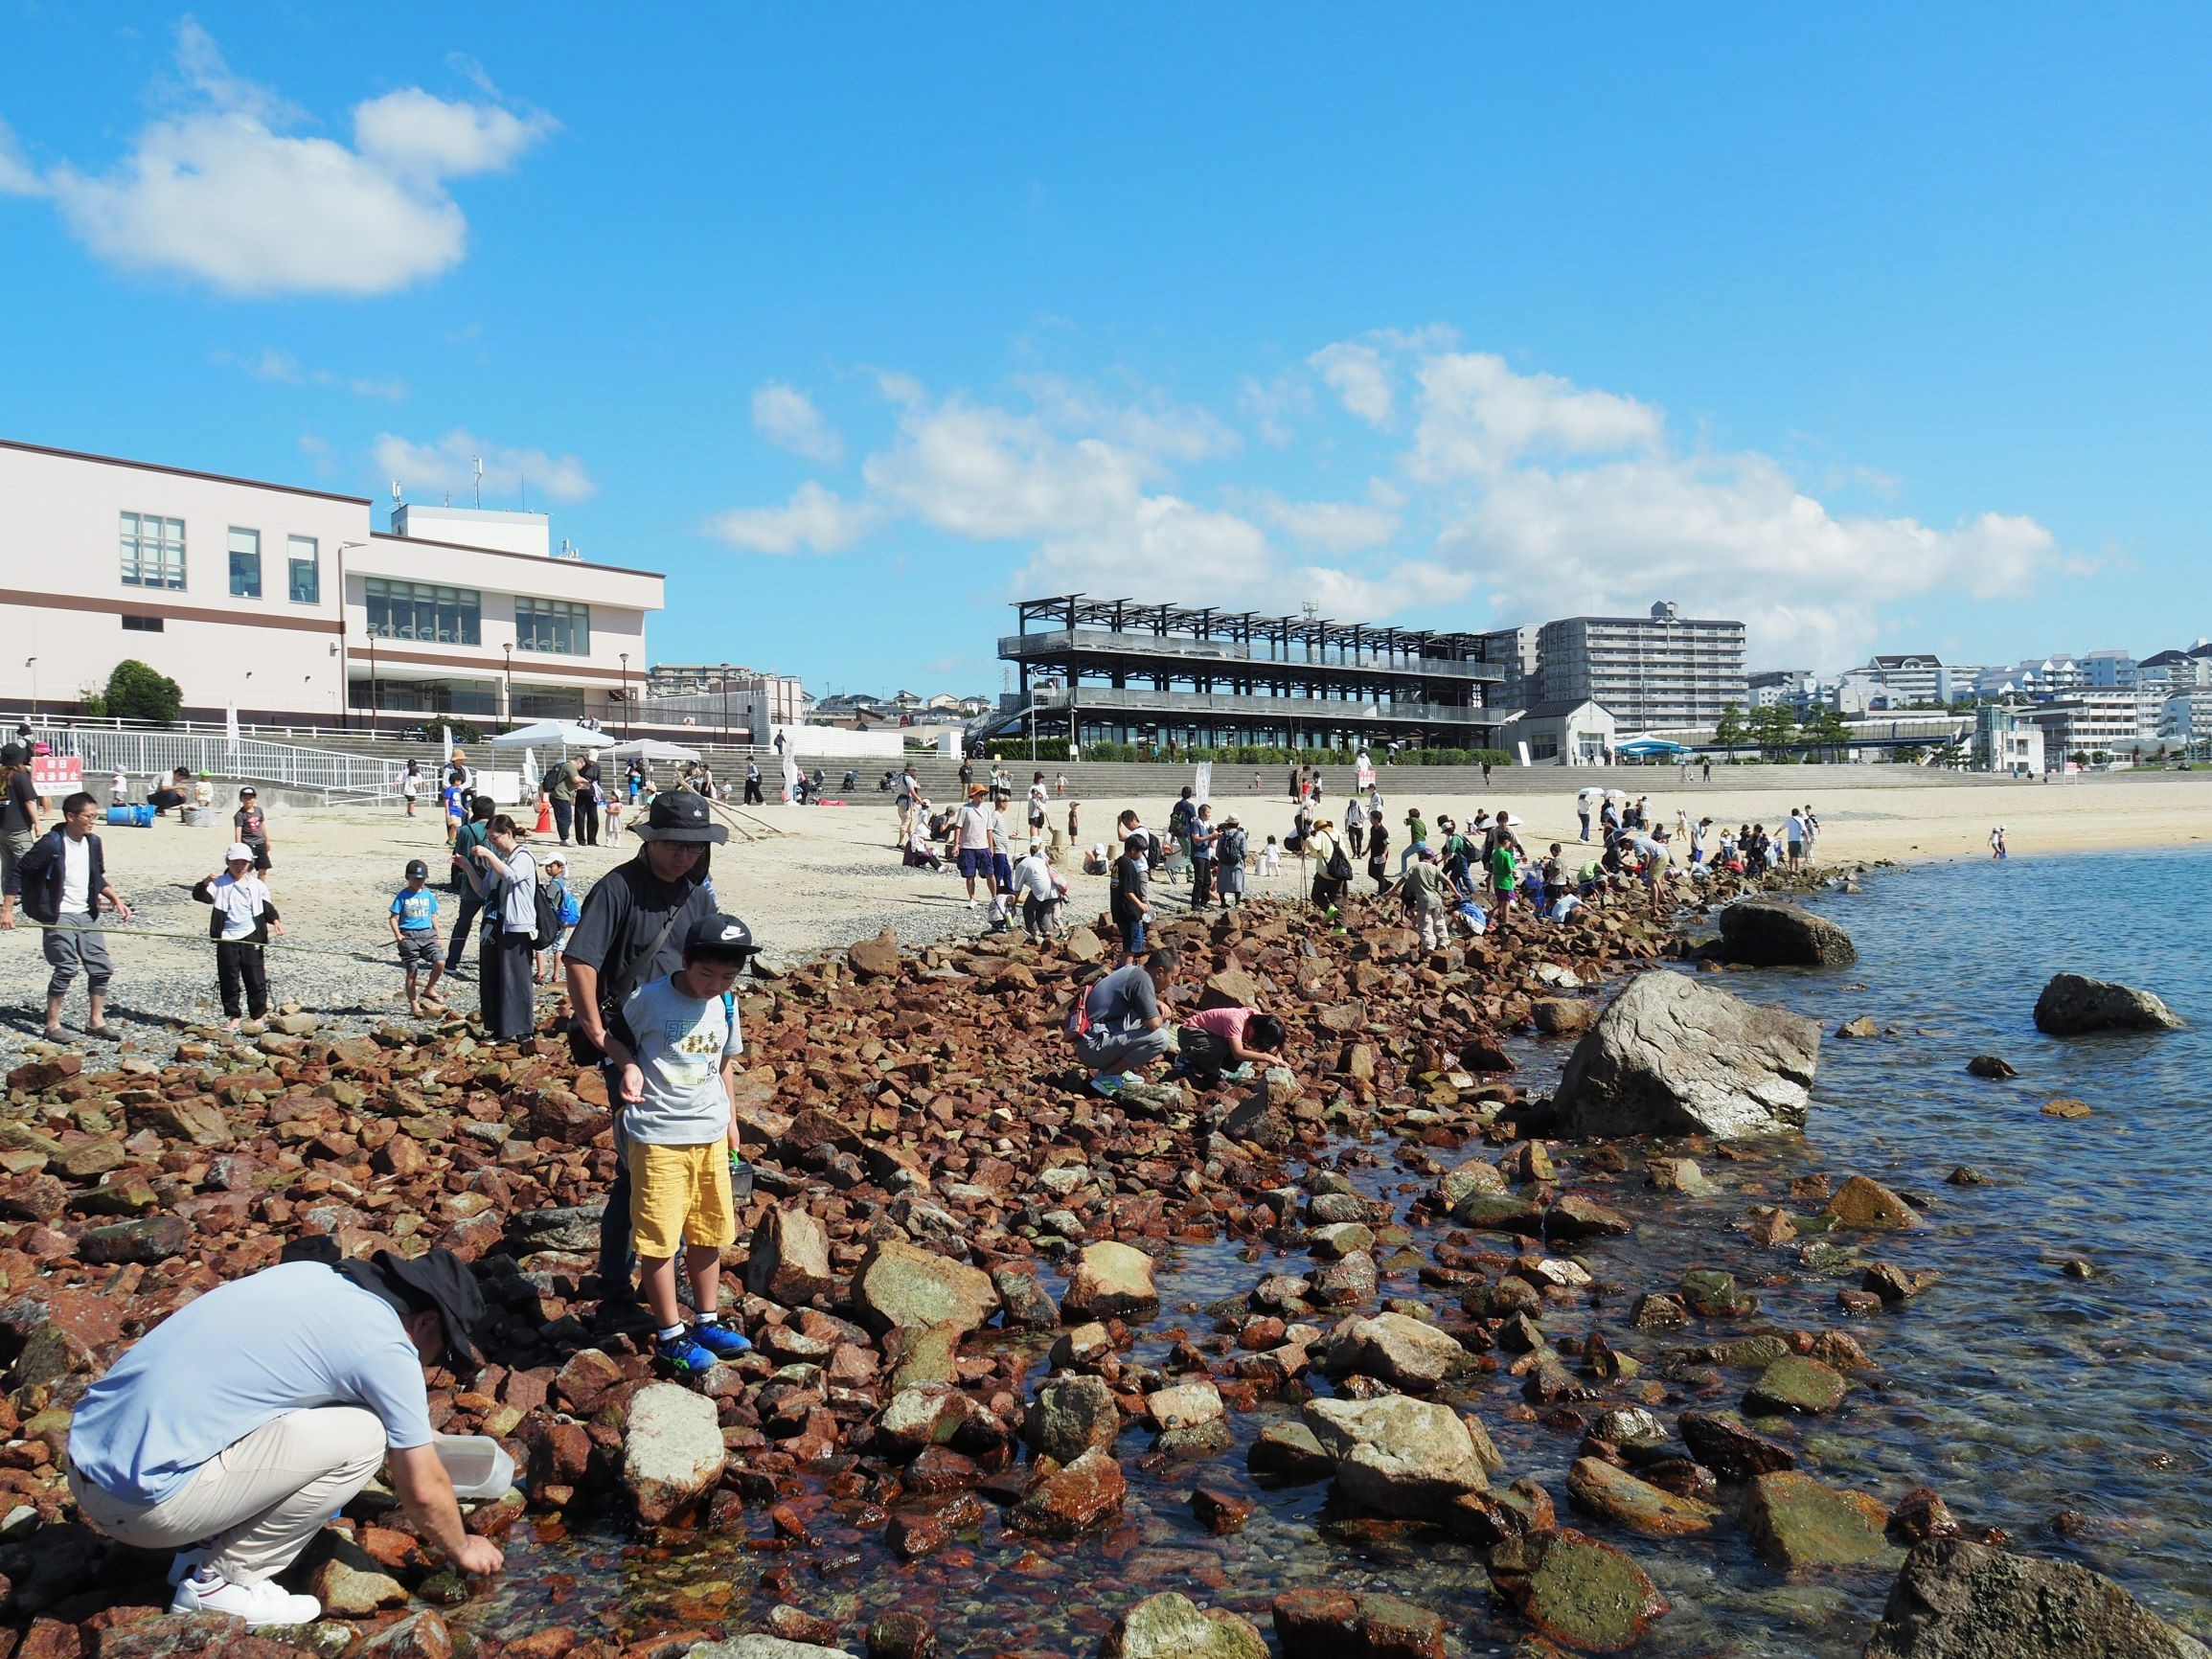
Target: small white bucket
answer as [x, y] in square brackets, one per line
[480, 1471]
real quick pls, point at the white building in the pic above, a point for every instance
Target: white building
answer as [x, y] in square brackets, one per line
[1795, 689]
[1567, 733]
[287, 603]
[2109, 670]
[1515, 652]
[2185, 721]
[2089, 722]
[2005, 740]
[1663, 672]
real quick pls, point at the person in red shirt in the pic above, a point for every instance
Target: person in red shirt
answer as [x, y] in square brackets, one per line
[1217, 1039]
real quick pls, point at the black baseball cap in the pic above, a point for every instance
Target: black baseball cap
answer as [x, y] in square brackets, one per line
[722, 938]
[417, 870]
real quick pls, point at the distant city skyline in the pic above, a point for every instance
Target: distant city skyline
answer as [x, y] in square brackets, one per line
[861, 328]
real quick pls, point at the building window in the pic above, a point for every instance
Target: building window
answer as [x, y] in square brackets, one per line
[246, 564]
[553, 625]
[142, 624]
[152, 550]
[306, 571]
[427, 615]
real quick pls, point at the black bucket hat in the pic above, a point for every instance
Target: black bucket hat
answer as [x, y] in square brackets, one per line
[437, 1277]
[681, 815]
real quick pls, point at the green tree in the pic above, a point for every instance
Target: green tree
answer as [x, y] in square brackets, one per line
[1828, 729]
[1772, 728]
[136, 691]
[1728, 731]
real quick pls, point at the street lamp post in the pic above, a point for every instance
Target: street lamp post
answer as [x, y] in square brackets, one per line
[624, 696]
[31, 663]
[725, 705]
[509, 695]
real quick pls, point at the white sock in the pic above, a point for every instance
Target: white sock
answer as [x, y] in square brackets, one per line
[672, 1333]
[708, 1319]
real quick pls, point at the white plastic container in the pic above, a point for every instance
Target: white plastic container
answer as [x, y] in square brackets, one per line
[480, 1471]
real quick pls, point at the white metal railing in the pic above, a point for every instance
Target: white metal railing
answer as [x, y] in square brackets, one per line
[150, 754]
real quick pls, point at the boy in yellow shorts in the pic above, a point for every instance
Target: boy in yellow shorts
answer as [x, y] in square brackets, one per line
[676, 1042]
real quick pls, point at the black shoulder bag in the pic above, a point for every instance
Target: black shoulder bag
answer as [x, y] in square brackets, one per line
[614, 992]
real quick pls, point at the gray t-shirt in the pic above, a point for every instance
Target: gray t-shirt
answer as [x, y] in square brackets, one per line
[286, 1339]
[1123, 1003]
[518, 893]
[680, 1042]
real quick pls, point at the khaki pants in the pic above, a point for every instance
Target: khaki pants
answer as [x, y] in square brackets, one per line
[260, 1500]
[1435, 928]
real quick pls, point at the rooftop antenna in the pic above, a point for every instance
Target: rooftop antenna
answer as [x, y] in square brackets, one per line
[478, 464]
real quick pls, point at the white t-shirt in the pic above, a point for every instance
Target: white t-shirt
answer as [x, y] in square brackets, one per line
[974, 829]
[1795, 830]
[238, 902]
[680, 1042]
[1032, 876]
[76, 875]
[518, 898]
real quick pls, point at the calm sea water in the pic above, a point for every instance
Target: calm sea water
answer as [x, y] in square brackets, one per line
[2015, 1390]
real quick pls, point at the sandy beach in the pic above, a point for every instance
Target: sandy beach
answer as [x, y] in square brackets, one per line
[818, 878]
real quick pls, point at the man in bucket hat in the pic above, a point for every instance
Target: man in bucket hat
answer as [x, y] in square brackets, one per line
[632, 932]
[232, 1430]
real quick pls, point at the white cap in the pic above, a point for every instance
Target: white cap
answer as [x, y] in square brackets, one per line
[238, 850]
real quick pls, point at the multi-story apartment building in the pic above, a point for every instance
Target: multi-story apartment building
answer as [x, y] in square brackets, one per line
[1120, 671]
[1513, 653]
[287, 604]
[1664, 671]
[2091, 723]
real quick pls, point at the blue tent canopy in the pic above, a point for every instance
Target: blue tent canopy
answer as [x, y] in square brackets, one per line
[1649, 746]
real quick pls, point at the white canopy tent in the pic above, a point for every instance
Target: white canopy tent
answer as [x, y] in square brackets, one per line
[561, 734]
[649, 749]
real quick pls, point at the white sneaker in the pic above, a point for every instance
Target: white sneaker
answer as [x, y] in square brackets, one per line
[263, 1603]
[187, 1563]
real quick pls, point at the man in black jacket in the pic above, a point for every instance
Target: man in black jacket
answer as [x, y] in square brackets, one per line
[632, 932]
[64, 884]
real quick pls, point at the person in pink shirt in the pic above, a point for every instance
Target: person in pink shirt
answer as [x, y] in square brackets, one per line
[1216, 1039]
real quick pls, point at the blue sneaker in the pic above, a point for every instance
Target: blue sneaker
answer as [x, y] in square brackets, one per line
[720, 1341]
[683, 1355]
[1106, 1083]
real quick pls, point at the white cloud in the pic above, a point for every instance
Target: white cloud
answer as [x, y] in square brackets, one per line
[988, 474]
[1160, 546]
[1150, 424]
[814, 520]
[1477, 416]
[283, 369]
[1336, 526]
[1356, 373]
[1273, 405]
[17, 177]
[446, 465]
[224, 193]
[786, 417]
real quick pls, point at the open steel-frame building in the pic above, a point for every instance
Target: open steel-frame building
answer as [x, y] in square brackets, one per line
[1119, 670]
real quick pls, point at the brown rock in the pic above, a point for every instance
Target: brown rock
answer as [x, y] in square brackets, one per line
[790, 1257]
[1860, 1202]
[1065, 1502]
[875, 958]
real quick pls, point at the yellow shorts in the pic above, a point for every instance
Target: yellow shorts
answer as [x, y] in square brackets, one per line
[680, 1194]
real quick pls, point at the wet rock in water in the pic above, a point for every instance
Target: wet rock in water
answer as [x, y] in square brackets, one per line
[1338, 1239]
[790, 1257]
[1956, 1600]
[1711, 1293]
[352, 1583]
[1576, 1216]
[899, 1285]
[1795, 1385]
[1290, 1451]
[1220, 1512]
[1763, 933]
[1065, 1502]
[1994, 1066]
[1028, 1306]
[1071, 1416]
[1967, 1175]
[1400, 1350]
[1475, 1175]
[2072, 1003]
[1676, 1175]
[1186, 1406]
[1576, 1590]
[1398, 1456]
[1794, 1521]
[1110, 1280]
[1675, 1056]
[1860, 1202]
[419, 1635]
[1562, 1015]
[1921, 1514]
[1345, 1284]
[901, 1636]
[757, 1645]
[1597, 1488]
[1501, 1213]
[1172, 1627]
[1730, 1448]
[1349, 1625]
[671, 1451]
[1861, 1027]
[2065, 1108]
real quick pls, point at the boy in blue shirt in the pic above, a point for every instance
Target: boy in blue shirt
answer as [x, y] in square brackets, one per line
[414, 921]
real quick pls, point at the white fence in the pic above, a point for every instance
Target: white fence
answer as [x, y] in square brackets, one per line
[149, 754]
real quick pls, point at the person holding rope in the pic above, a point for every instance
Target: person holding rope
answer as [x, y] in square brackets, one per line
[64, 885]
[241, 925]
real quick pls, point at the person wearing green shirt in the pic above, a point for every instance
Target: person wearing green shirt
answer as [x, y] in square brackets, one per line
[1416, 839]
[1504, 876]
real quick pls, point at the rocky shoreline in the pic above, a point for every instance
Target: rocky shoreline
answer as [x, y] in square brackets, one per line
[928, 1170]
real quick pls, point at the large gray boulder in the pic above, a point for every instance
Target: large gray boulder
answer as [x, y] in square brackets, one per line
[1762, 933]
[1170, 1625]
[1070, 1415]
[671, 1451]
[1402, 1352]
[1956, 1600]
[1396, 1456]
[759, 1647]
[2072, 1004]
[1675, 1056]
[899, 1288]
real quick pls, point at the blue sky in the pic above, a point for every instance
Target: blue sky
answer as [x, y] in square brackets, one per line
[1882, 328]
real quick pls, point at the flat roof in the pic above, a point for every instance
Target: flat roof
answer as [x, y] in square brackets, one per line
[178, 471]
[503, 553]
